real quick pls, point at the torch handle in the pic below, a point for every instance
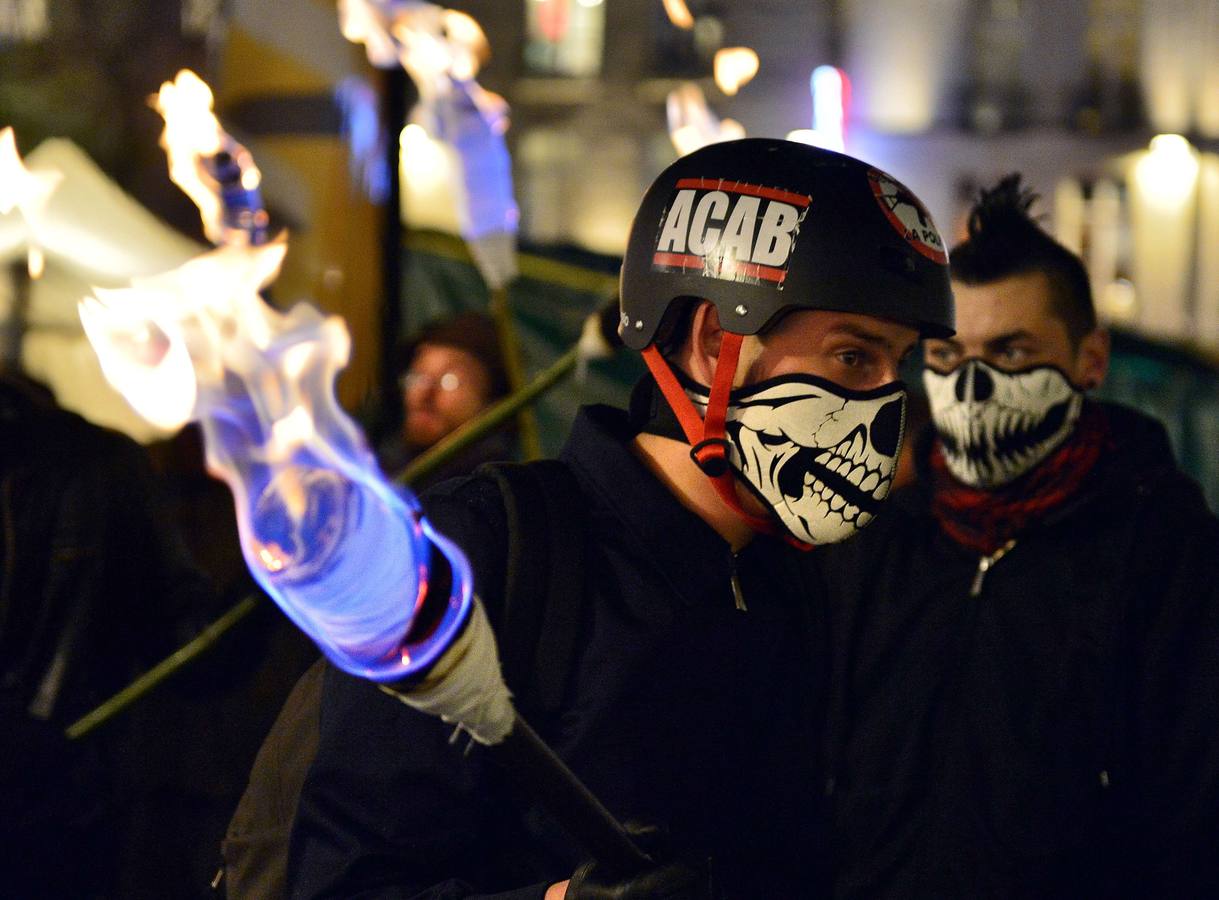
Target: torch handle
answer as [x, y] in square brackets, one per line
[538, 768]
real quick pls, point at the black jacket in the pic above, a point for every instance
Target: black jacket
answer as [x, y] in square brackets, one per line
[95, 584]
[1056, 735]
[681, 711]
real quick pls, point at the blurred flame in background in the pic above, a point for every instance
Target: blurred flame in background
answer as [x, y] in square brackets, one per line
[692, 124]
[194, 143]
[27, 192]
[679, 13]
[734, 67]
[442, 50]
[435, 45]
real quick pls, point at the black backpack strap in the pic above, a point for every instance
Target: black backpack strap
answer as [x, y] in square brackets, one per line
[544, 590]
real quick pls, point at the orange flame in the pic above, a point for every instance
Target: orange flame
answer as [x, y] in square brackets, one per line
[692, 124]
[193, 134]
[679, 13]
[734, 67]
[432, 43]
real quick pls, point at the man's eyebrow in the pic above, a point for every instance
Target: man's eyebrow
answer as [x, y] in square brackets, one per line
[1008, 337]
[862, 334]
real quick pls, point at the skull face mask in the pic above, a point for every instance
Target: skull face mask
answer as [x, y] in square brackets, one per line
[994, 426]
[822, 457]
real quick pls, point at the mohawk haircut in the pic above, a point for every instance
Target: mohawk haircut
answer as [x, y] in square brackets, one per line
[1004, 240]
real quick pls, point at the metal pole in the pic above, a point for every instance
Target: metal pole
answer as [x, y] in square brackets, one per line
[162, 670]
[538, 768]
[510, 350]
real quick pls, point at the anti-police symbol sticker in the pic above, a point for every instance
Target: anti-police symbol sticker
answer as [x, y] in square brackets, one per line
[729, 230]
[906, 214]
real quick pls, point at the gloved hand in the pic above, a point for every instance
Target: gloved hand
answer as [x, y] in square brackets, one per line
[668, 878]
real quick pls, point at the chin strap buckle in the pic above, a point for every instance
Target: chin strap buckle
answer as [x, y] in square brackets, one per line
[711, 455]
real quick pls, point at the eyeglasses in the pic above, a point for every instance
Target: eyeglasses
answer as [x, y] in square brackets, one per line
[446, 381]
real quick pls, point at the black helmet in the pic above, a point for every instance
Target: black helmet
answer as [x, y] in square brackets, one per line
[760, 226]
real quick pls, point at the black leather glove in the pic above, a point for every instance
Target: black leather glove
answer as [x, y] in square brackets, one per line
[666, 879]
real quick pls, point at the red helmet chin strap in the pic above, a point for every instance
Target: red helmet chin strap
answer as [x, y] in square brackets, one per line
[708, 443]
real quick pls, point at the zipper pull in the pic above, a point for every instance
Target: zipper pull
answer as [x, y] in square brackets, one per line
[985, 564]
[738, 595]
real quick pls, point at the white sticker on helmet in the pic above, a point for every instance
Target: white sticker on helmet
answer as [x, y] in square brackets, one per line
[729, 230]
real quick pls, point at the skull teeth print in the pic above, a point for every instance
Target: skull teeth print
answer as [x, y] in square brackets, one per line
[822, 461]
[994, 426]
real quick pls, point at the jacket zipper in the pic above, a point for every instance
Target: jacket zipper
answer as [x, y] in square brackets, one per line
[985, 564]
[738, 596]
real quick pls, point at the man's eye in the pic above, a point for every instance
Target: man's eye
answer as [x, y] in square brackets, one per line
[1014, 354]
[851, 358]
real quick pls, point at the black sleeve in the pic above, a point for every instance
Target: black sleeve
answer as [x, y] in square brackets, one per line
[1175, 683]
[391, 808]
[118, 567]
[168, 599]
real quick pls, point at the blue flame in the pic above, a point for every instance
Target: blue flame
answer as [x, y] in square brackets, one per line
[344, 553]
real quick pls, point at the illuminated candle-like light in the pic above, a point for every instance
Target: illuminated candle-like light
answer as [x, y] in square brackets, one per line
[213, 169]
[27, 192]
[692, 124]
[734, 67]
[36, 262]
[342, 552]
[679, 14]
[1206, 296]
[1115, 294]
[831, 93]
[1163, 185]
[1069, 214]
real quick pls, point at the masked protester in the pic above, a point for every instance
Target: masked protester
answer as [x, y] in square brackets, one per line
[1028, 681]
[670, 654]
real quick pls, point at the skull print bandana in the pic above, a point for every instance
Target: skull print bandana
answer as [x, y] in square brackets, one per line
[822, 457]
[994, 426]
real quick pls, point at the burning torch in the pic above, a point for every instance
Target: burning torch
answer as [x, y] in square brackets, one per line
[212, 168]
[442, 49]
[350, 558]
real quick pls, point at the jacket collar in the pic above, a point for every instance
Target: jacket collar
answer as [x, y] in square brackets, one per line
[688, 554]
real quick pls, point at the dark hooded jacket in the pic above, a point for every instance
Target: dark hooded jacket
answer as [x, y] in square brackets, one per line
[681, 711]
[95, 584]
[1047, 728]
